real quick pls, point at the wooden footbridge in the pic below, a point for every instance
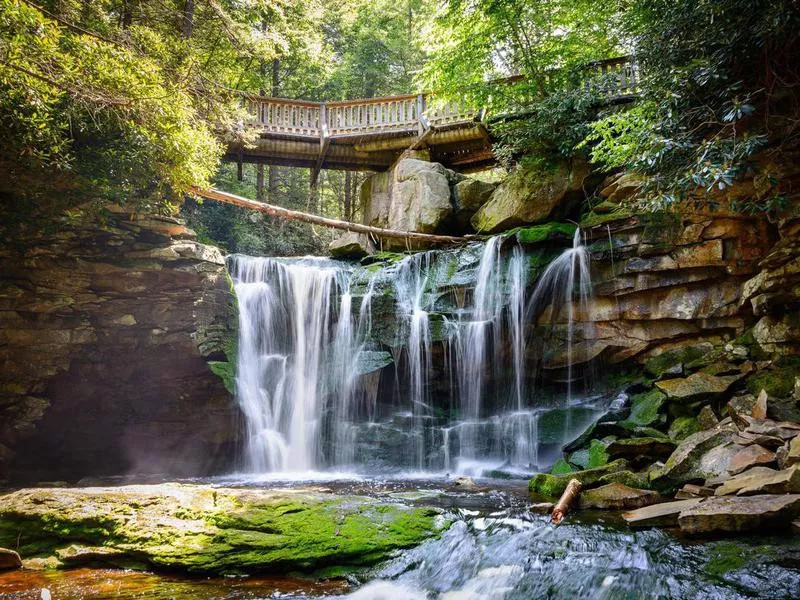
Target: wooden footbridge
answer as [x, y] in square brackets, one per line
[370, 134]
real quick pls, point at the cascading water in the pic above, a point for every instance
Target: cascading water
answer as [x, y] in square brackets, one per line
[314, 381]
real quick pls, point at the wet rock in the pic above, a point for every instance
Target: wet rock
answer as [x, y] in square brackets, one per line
[785, 430]
[667, 360]
[350, 245]
[659, 515]
[793, 452]
[717, 461]
[646, 408]
[684, 465]
[640, 447]
[683, 427]
[741, 406]
[207, 530]
[750, 456]
[9, 559]
[551, 487]
[691, 490]
[698, 386]
[736, 514]
[706, 418]
[762, 480]
[616, 496]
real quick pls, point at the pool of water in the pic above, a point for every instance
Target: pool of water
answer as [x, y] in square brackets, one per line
[495, 549]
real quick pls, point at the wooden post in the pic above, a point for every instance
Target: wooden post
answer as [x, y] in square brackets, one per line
[240, 168]
[567, 498]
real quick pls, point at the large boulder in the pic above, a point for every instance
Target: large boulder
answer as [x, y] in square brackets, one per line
[469, 195]
[616, 496]
[209, 530]
[350, 245]
[531, 195]
[9, 559]
[414, 196]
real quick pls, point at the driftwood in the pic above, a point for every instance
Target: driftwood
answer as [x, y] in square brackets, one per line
[296, 215]
[567, 498]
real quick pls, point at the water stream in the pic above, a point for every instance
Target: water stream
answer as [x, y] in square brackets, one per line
[442, 385]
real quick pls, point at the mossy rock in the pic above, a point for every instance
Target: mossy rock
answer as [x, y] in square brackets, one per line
[646, 408]
[657, 365]
[205, 530]
[561, 467]
[631, 479]
[593, 456]
[683, 427]
[779, 381]
[545, 232]
[550, 487]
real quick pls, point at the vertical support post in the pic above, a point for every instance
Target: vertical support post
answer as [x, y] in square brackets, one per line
[239, 168]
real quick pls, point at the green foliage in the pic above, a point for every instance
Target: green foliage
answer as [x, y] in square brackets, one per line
[547, 43]
[120, 102]
[717, 78]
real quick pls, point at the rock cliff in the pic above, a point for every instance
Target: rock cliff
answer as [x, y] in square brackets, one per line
[108, 336]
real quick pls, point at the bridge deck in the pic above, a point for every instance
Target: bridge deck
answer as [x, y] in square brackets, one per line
[369, 134]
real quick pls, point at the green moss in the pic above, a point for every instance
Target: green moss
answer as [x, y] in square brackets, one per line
[683, 427]
[202, 530]
[561, 467]
[225, 371]
[779, 382]
[629, 478]
[593, 456]
[550, 487]
[725, 557]
[547, 231]
[646, 408]
[657, 365]
[594, 219]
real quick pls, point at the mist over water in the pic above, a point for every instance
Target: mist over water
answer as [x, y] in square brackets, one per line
[320, 391]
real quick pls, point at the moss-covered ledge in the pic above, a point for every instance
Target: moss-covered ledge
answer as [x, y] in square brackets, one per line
[206, 530]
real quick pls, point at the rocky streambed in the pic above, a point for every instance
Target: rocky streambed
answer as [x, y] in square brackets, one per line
[369, 539]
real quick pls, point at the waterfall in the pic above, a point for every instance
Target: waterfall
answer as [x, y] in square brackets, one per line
[557, 287]
[285, 309]
[311, 380]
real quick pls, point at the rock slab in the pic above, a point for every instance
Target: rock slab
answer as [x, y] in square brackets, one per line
[736, 514]
[206, 530]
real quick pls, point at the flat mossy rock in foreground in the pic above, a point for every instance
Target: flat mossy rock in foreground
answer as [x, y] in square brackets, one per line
[201, 529]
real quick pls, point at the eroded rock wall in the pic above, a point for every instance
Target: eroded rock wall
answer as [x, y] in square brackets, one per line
[106, 336]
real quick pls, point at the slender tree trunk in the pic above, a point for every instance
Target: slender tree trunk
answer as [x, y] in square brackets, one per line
[188, 19]
[273, 170]
[260, 181]
[348, 195]
[126, 18]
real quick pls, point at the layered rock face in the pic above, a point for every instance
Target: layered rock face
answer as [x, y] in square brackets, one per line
[663, 282]
[106, 336]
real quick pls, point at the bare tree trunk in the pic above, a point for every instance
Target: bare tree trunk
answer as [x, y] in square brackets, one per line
[567, 498]
[260, 181]
[273, 170]
[286, 214]
[126, 18]
[188, 19]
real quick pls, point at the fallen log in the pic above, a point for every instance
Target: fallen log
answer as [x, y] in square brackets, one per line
[567, 498]
[296, 215]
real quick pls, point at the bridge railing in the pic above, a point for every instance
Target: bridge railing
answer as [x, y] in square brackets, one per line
[610, 78]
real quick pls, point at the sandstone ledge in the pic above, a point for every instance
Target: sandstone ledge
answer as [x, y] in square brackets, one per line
[207, 530]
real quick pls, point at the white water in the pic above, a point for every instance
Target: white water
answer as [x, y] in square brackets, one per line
[309, 404]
